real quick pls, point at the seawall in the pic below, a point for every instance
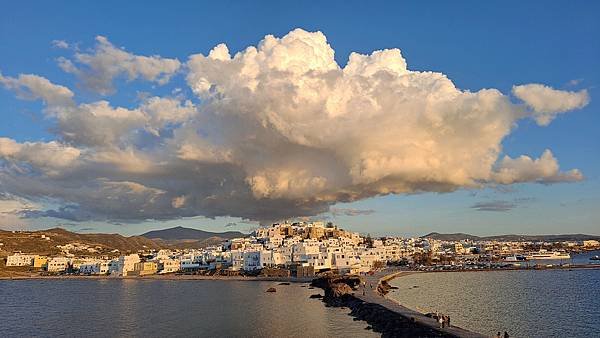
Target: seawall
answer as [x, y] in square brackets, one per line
[364, 298]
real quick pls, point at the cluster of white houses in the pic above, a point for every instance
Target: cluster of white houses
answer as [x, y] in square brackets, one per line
[126, 265]
[314, 246]
[310, 246]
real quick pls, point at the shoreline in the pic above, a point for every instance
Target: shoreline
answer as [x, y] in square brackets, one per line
[24, 275]
[540, 268]
[169, 277]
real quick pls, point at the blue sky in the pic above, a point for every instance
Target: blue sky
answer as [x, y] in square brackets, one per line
[476, 44]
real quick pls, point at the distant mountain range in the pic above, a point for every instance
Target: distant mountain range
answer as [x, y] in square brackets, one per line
[508, 238]
[181, 237]
[174, 238]
[33, 242]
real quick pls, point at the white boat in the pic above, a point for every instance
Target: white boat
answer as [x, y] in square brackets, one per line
[543, 254]
[514, 258]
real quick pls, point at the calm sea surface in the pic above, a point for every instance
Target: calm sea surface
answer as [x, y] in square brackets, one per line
[151, 308]
[545, 303]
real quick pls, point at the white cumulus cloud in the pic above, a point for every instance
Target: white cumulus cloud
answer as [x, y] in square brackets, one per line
[548, 102]
[525, 169]
[275, 130]
[33, 87]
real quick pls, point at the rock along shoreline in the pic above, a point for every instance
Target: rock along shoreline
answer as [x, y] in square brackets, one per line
[364, 296]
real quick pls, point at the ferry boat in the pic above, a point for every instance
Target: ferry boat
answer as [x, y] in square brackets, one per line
[543, 254]
[514, 258]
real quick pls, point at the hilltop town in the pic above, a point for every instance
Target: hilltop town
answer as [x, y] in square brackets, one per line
[287, 249]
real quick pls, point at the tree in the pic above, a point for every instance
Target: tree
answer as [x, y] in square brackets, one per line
[369, 241]
[423, 258]
[378, 265]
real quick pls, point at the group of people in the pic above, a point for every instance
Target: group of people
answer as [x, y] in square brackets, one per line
[444, 320]
[364, 285]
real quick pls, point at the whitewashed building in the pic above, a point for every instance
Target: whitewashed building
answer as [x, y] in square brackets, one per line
[169, 265]
[254, 260]
[163, 254]
[236, 260]
[127, 263]
[113, 266]
[58, 264]
[89, 268]
[19, 260]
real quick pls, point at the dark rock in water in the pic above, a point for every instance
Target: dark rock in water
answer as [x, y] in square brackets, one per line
[338, 290]
[325, 281]
[284, 283]
[383, 287]
[316, 296]
[271, 290]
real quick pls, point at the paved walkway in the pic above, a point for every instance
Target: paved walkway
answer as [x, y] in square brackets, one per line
[372, 296]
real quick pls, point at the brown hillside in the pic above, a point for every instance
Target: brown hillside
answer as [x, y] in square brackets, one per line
[32, 242]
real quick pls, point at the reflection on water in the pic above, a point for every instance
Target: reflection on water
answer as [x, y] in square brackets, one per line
[545, 303]
[150, 308]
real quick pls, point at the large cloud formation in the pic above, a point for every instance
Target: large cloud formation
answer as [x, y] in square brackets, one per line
[277, 130]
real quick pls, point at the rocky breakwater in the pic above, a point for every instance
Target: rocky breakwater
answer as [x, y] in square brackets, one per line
[340, 292]
[384, 287]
